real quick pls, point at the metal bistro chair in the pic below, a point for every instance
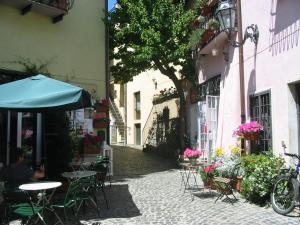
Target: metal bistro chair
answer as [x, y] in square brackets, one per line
[70, 201]
[19, 205]
[102, 168]
[87, 192]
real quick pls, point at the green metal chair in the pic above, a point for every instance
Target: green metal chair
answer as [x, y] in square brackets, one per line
[20, 205]
[70, 201]
[87, 192]
[101, 167]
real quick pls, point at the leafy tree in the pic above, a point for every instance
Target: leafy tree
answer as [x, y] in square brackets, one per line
[153, 34]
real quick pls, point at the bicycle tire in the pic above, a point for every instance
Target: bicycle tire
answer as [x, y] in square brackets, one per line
[283, 196]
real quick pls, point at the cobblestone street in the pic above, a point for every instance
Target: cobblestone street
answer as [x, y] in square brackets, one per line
[146, 190]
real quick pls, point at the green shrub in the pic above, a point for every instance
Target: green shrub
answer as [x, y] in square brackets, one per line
[260, 171]
[231, 167]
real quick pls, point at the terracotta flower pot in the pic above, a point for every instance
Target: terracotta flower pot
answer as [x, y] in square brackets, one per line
[251, 136]
[238, 183]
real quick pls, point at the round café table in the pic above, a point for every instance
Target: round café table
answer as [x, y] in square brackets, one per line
[41, 187]
[78, 174]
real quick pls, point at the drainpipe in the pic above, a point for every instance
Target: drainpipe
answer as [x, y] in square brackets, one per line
[125, 113]
[107, 74]
[241, 61]
[241, 66]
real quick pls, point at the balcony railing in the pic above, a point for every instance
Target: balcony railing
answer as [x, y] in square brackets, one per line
[55, 9]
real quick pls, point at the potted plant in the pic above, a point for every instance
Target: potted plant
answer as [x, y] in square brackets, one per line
[207, 174]
[192, 155]
[248, 131]
[195, 38]
[92, 143]
[213, 24]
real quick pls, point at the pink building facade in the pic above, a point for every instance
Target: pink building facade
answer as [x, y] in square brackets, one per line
[271, 80]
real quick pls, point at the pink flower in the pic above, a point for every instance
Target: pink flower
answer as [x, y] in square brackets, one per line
[192, 153]
[251, 127]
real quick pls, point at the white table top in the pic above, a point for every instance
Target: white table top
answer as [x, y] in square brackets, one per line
[39, 186]
[79, 174]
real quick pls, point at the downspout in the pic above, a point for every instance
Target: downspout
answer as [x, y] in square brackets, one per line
[241, 62]
[107, 72]
[241, 66]
[125, 113]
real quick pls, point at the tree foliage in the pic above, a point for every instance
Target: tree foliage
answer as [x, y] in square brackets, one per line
[151, 34]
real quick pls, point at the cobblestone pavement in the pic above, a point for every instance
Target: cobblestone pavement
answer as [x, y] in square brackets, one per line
[147, 190]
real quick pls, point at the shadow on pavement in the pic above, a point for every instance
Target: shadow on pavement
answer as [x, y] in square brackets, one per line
[134, 163]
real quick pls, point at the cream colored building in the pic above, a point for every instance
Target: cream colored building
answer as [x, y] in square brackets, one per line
[68, 36]
[133, 101]
[73, 47]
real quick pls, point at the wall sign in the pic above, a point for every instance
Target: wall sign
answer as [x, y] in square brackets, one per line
[209, 87]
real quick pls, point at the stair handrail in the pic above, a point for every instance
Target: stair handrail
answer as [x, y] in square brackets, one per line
[149, 123]
[115, 109]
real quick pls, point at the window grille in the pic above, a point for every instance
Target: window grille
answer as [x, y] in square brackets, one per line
[260, 110]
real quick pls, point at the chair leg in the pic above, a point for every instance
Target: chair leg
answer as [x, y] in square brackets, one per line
[104, 195]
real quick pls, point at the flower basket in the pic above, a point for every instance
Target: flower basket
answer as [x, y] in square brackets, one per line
[249, 131]
[251, 136]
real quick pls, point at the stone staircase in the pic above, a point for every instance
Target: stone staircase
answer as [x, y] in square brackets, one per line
[119, 122]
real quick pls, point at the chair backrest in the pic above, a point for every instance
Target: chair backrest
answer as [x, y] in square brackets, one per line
[87, 182]
[72, 191]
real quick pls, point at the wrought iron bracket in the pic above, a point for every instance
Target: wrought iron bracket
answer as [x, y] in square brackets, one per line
[250, 32]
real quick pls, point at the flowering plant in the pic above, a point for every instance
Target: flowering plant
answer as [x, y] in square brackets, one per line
[248, 128]
[209, 171]
[219, 152]
[102, 102]
[192, 153]
[236, 150]
[92, 139]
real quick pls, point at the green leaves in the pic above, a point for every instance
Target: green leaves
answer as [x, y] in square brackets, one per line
[260, 171]
[143, 33]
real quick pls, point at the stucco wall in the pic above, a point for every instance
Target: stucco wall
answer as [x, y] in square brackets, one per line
[272, 66]
[275, 63]
[74, 46]
[143, 83]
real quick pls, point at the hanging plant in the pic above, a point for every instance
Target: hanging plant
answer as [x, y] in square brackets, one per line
[213, 24]
[201, 3]
[195, 38]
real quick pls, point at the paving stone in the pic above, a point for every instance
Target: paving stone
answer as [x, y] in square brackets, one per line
[146, 190]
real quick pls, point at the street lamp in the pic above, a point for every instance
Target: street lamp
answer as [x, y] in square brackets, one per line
[226, 13]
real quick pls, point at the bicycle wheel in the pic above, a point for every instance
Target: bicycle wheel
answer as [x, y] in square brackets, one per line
[283, 195]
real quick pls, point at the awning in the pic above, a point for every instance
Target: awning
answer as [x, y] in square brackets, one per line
[40, 93]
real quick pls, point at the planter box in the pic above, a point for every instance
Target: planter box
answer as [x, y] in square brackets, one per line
[91, 149]
[101, 108]
[207, 36]
[99, 124]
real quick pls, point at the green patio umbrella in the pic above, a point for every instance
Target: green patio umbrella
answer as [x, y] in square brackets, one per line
[39, 93]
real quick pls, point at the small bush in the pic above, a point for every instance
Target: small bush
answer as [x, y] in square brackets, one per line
[260, 171]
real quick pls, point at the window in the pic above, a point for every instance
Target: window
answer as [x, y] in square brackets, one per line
[260, 110]
[137, 105]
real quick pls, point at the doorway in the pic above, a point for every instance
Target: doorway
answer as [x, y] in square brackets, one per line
[137, 127]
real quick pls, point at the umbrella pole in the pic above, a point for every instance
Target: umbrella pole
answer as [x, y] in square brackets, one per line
[8, 138]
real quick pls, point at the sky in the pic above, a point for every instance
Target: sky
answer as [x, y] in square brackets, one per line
[111, 4]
